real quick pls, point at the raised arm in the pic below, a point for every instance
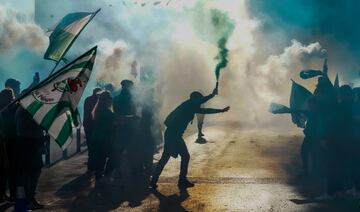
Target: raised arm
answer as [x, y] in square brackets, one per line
[212, 95]
[212, 110]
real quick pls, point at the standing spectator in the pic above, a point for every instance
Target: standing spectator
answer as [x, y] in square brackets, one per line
[88, 124]
[102, 137]
[6, 96]
[30, 149]
[124, 106]
[9, 139]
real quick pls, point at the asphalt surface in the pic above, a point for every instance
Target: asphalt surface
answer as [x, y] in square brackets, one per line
[236, 170]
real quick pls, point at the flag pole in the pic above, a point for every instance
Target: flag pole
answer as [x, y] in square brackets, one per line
[76, 36]
[52, 71]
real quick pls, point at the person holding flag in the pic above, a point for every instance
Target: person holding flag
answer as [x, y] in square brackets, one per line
[30, 149]
[53, 103]
[49, 106]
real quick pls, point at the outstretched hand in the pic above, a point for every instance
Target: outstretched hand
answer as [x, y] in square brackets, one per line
[226, 109]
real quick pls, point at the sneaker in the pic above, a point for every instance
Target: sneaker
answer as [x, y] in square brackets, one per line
[185, 183]
[200, 141]
[34, 205]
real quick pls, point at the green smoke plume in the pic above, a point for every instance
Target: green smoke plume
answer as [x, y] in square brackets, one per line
[224, 27]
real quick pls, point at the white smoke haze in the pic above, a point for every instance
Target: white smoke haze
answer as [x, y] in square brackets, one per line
[114, 61]
[270, 82]
[16, 29]
[182, 56]
[177, 43]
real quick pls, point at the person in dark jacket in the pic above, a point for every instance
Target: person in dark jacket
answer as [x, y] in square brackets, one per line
[14, 85]
[88, 124]
[148, 133]
[30, 149]
[6, 96]
[102, 137]
[4, 164]
[126, 136]
[10, 137]
[176, 123]
[356, 139]
[124, 104]
[343, 149]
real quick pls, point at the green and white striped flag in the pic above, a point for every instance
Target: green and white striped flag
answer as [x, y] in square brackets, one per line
[53, 103]
[65, 34]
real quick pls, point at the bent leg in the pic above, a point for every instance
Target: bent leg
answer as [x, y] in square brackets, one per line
[200, 123]
[160, 166]
[185, 158]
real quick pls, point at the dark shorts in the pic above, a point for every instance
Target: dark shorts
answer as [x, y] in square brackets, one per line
[174, 144]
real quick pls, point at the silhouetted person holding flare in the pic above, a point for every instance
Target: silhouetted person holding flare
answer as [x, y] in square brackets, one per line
[176, 123]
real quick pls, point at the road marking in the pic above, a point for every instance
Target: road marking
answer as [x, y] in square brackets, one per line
[228, 180]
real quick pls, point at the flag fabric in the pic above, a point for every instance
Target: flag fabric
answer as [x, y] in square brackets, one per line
[298, 97]
[276, 108]
[65, 34]
[336, 82]
[307, 74]
[53, 104]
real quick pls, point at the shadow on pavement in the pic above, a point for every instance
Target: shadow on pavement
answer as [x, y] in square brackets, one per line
[81, 195]
[172, 202]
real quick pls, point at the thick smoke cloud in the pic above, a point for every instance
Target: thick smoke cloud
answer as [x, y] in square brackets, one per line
[114, 62]
[330, 22]
[269, 81]
[176, 46]
[22, 43]
[17, 30]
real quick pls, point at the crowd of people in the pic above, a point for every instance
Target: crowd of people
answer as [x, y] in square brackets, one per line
[120, 131]
[119, 127]
[332, 136]
[21, 148]
[331, 144]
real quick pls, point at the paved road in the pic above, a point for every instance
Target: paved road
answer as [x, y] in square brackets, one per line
[237, 170]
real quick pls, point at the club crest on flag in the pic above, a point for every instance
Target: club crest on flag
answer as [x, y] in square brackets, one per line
[53, 104]
[70, 85]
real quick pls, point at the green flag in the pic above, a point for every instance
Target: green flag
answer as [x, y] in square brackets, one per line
[54, 103]
[336, 82]
[298, 97]
[65, 34]
[276, 108]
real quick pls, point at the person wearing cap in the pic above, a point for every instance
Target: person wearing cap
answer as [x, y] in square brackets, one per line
[125, 138]
[89, 105]
[176, 123]
[124, 102]
[14, 85]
